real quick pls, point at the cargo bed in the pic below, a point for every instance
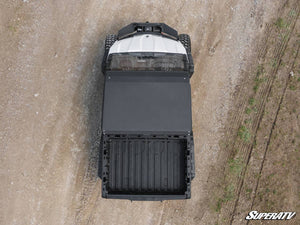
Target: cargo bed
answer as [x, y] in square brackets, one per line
[141, 168]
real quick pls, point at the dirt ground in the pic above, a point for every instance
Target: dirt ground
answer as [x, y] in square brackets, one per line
[262, 131]
[50, 109]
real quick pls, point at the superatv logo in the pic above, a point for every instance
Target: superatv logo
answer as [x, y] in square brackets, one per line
[254, 215]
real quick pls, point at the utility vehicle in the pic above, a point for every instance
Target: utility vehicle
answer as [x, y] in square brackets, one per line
[147, 149]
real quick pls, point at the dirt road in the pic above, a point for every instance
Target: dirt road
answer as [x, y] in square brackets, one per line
[51, 93]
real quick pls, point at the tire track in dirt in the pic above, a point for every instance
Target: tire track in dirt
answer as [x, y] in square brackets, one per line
[268, 143]
[242, 149]
[274, 123]
[92, 100]
[275, 96]
[280, 53]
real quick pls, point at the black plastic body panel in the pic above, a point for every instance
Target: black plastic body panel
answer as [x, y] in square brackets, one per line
[143, 102]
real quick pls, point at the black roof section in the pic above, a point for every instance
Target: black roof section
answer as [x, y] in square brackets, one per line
[147, 102]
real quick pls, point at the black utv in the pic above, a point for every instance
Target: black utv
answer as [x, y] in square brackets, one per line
[147, 148]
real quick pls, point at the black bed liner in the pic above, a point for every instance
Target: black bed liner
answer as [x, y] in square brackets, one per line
[139, 166]
[147, 168]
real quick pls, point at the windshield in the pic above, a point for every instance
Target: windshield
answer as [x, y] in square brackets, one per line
[147, 61]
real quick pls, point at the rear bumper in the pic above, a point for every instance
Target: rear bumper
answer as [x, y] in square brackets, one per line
[147, 197]
[147, 28]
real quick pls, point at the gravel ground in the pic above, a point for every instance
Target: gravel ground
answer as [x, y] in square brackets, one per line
[51, 93]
